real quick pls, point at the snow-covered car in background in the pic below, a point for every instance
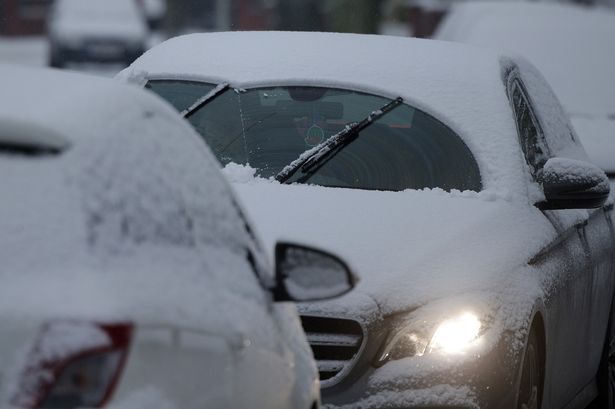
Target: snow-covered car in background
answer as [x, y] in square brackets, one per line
[95, 31]
[154, 12]
[571, 45]
[130, 277]
[451, 180]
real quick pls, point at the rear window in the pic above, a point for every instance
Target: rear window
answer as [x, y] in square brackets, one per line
[268, 128]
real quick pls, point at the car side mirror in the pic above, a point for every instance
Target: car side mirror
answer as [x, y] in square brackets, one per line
[573, 184]
[307, 274]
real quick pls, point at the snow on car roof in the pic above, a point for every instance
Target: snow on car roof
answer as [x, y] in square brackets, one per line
[131, 220]
[450, 81]
[563, 41]
[69, 104]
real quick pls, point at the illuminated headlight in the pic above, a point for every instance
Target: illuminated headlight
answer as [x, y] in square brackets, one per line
[453, 336]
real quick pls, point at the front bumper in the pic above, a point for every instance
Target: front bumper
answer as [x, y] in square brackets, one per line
[483, 382]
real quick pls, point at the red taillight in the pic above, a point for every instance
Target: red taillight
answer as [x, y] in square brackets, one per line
[74, 364]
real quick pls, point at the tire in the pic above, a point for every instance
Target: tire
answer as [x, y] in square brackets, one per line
[606, 372]
[529, 395]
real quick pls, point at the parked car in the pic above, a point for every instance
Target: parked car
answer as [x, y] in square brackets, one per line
[572, 47]
[95, 31]
[130, 277]
[452, 181]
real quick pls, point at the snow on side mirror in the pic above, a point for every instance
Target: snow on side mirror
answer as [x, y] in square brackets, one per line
[307, 274]
[573, 184]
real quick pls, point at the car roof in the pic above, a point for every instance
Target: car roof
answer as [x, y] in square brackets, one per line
[388, 65]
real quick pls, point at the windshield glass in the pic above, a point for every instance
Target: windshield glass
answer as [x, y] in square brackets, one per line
[268, 128]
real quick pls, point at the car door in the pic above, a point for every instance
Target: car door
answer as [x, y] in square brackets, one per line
[596, 231]
[568, 262]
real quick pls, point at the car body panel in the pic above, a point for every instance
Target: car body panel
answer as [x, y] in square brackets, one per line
[112, 228]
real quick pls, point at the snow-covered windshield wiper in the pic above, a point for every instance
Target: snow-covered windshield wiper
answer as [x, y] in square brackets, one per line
[311, 160]
[206, 99]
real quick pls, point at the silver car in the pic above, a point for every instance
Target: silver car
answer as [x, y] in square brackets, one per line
[130, 277]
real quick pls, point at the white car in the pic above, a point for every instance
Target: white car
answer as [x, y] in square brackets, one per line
[130, 278]
[449, 177]
[95, 31]
[571, 45]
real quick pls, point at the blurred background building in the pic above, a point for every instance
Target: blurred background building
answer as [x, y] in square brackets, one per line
[24, 24]
[23, 17]
[404, 17]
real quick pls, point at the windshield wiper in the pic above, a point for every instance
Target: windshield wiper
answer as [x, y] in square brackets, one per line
[316, 157]
[206, 99]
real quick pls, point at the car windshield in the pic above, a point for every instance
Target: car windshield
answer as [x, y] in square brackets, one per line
[268, 128]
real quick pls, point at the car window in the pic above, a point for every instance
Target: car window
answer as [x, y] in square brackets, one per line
[531, 137]
[268, 128]
[180, 94]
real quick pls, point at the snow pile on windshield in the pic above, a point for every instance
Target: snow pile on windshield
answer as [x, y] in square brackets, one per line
[238, 173]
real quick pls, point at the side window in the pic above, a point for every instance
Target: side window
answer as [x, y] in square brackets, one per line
[531, 137]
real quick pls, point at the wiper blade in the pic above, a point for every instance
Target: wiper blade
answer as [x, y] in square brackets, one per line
[321, 153]
[206, 99]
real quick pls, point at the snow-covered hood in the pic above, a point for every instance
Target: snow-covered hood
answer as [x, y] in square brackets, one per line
[406, 247]
[598, 137]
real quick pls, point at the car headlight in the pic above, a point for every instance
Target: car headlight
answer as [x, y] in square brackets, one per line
[451, 337]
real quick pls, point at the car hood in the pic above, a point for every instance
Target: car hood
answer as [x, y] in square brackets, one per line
[408, 247]
[598, 137]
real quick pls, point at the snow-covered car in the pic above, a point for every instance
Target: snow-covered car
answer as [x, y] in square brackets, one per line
[95, 31]
[449, 178]
[571, 45]
[130, 278]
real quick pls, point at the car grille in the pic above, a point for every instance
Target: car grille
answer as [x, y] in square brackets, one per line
[335, 343]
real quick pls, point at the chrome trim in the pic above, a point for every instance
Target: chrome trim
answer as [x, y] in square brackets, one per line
[347, 365]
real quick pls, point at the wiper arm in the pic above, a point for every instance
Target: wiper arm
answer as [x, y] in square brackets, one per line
[206, 99]
[320, 154]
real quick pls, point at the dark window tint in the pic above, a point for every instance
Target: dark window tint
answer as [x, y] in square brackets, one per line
[181, 94]
[531, 137]
[268, 128]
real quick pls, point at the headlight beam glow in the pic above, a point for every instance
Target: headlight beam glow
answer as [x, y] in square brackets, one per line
[456, 335]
